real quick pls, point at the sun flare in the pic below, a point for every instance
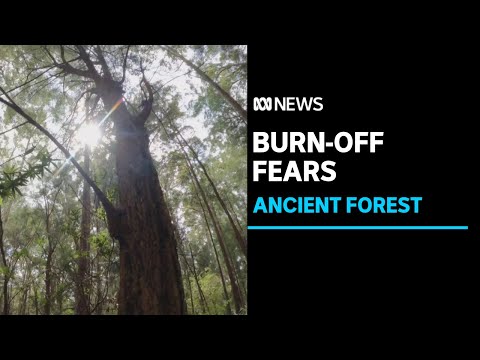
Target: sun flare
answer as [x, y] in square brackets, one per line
[89, 135]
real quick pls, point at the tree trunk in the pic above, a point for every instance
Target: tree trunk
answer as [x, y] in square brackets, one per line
[6, 302]
[98, 287]
[201, 295]
[235, 215]
[186, 267]
[48, 266]
[24, 292]
[234, 103]
[236, 293]
[23, 307]
[35, 300]
[48, 282]
[233, 261]
[60, 303]
[6, 277]
[82, 303]
[191, 294]
[240, 239]
[222, 277]
[98, 268]
[150, 276]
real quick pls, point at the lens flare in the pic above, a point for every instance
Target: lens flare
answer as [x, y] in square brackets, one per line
[89, 135]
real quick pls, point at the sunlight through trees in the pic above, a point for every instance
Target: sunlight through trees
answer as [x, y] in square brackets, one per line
[123, 179]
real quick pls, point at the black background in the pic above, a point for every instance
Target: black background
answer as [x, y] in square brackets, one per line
[416, 90]
[416, 86]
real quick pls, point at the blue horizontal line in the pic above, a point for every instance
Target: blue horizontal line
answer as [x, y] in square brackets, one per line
[264, 227]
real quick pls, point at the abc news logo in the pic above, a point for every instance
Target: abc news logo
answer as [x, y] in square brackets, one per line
[287, 104]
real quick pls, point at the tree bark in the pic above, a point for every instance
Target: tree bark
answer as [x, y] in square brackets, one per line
[150, 276]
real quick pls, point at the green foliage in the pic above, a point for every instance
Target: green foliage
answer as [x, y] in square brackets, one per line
[20, 253]
[12, 178]
[4, 270]
[211, 286]
[44, 224]
[101, 242]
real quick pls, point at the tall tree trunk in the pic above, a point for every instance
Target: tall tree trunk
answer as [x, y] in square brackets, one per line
[35, 300]
[23, 302]
[48, 266]
[182, 142]
[186, 266]
[191, 294]
[6, 275]
[222, 277]
[98, 267]
[150, 275]
[48, 281]
[236, 293]
[240, 239]
[233, 261]
[24, 296]
[82, 303]
[234, 103]
[98, 287]
[201, 295]
[234, 213]
[180, 243]
[60, 296]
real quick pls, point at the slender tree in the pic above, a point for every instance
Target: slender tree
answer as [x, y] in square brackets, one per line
[234, 103]
[6, 275]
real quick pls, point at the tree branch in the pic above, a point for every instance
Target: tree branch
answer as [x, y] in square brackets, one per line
[103, 63]
[234, 103]
[109, 208]
[29, 151]
[125, 65]
[33, 79]
[65, 66]
[147, 104]
[13, 128]
[91, 72]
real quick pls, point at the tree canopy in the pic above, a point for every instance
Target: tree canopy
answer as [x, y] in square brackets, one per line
[123, 179]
